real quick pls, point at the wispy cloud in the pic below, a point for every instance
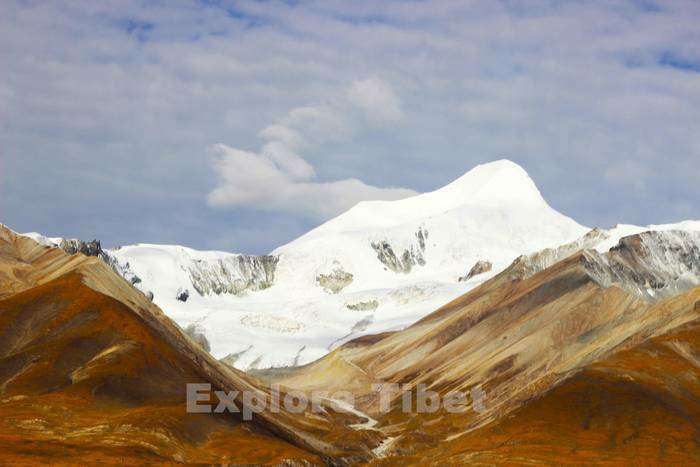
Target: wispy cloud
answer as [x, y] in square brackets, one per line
[277, 178]
[393, 93]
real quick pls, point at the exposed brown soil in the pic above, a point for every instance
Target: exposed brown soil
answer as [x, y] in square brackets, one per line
[573, 373]
[640, 404]
[90, 370]
[537, 348]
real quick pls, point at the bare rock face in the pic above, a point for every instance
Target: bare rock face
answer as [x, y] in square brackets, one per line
[479, 267]
[369, 305]
[182, 294]
[405, 261]
[527, 265]
[650, 265]
[335, 281]
[73, 246]
[233, 275]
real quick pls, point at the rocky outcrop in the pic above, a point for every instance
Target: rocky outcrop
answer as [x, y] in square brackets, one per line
[405, 261]
[527, 265]
[182, 294]
[480, 267]
[369, 305]
[123, 269]
[73, 246]
[335, 281]
[233, 275]
[651, 265]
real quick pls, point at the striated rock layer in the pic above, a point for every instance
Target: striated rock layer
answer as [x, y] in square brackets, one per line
[529, 338]
[233, 275]
[480, 267]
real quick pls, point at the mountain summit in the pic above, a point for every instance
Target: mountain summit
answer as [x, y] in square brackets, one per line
[501, 181]
[493, 212]
[501, 184]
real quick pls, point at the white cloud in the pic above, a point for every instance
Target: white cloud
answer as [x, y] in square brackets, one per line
[320, 123]
[278, 132]
[377, 99]
[255, 181]
[288, 161]
[279, 179]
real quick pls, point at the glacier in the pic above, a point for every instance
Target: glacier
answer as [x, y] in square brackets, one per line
[378, 267]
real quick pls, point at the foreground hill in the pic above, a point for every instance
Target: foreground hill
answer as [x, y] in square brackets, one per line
[591, 358]
[569, 355]
[92, 371]
[638, 404]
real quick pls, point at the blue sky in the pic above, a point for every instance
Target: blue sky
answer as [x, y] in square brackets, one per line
[240, 125]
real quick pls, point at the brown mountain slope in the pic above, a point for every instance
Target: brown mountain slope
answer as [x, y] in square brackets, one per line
[82, 378]
[582, 362]
[642, 403]
[516, 339]
[91, 370]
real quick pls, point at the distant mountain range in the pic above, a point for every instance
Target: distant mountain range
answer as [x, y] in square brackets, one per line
[378, 267]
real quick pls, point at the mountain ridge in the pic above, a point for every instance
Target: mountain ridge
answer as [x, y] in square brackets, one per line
[378, 267]
[602, 323]
[518, 338]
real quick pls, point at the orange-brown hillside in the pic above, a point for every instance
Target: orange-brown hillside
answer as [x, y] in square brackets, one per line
[91, 371]
[638, 404]
[577, 364]
[548, 352]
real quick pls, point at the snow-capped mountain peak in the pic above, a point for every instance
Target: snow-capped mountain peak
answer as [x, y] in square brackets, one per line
[380, 266]
[501, 181]
[502, 184]
[494, 212]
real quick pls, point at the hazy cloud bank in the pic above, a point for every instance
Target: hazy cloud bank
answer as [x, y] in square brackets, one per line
[107, 110]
